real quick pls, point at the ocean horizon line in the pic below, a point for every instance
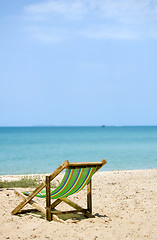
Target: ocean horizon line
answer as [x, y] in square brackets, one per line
[16, 126]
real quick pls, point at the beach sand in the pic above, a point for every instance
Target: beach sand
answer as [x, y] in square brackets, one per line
[124, 203]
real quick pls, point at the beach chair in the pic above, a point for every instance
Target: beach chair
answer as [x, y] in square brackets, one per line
[76, 177]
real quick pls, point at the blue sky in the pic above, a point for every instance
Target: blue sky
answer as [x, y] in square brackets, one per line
[78, 62]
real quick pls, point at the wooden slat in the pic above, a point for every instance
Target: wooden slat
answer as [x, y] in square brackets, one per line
[72, 204]
[64, 165]
[88, 164]
[56, 203]
[48, 199]
[103, 162]
[80, 164]
[89, 196]
[40, 187]
[31, 202]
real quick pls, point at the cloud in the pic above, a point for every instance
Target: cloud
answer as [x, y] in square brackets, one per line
[120, 10]
[95, 19]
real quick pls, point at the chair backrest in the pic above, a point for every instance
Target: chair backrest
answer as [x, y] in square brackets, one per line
[76, 177]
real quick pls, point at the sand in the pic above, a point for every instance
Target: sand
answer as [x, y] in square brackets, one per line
[124, 203]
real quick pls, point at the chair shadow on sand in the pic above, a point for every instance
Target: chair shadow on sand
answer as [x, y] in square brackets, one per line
[69, 217]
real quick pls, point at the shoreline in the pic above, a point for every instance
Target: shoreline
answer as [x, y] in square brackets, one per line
[16, 177]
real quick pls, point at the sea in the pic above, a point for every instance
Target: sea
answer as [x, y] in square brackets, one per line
[33, 150]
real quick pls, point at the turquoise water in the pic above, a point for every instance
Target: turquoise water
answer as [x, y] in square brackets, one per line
[41, 149]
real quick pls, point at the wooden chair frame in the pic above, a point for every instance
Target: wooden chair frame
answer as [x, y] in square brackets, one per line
[50, 212]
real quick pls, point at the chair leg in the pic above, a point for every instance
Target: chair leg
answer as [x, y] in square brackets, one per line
[48, 199]
[89, 196]
[28, 199]
[31, 202]
[39, 208]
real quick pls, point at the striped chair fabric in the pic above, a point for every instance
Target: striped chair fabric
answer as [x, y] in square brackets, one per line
[73, 181]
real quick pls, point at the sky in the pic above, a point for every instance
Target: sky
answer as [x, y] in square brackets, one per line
[78, 62]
